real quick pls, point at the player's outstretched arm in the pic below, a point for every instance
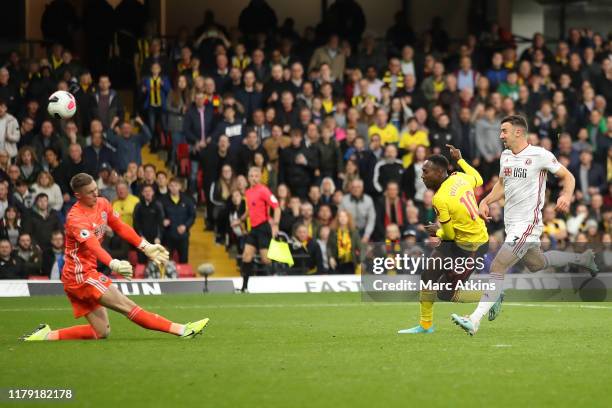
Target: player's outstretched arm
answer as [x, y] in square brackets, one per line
[496, 194]
[569, 184]
[465, 166]
[155, 252]
[124, 268]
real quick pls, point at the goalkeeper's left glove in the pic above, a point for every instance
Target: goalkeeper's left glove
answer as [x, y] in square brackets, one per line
[155, 252]
[123, 268]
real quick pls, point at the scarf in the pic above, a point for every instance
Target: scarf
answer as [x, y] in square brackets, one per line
[397, 207]
[345, 255]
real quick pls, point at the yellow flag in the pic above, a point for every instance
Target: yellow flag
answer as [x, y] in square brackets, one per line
[279, 251]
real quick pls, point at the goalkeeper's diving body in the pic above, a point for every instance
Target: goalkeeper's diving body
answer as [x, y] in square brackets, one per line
[462, 232]
[91, 292]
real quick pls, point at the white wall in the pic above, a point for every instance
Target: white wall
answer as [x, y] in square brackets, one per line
[527, 19]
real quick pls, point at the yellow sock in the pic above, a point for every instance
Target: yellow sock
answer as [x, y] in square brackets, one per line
[467, 296]
[427, 301]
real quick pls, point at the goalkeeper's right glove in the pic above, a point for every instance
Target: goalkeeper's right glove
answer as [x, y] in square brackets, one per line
[123, 268]
[155, 252]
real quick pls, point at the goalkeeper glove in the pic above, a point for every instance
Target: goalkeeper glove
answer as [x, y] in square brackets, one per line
[123, 268]
[155, 252]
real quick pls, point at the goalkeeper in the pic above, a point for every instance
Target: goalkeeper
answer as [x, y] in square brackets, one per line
[462, 231]
[91, 292]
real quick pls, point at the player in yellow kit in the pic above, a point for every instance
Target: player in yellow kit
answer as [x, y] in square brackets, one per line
[462, 232]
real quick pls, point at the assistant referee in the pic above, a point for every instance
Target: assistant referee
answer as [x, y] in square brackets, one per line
[259, 200]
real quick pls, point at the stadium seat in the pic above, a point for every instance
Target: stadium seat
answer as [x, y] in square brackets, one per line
[185, 271]
[200, 181]
[139, 271]
[182, 157]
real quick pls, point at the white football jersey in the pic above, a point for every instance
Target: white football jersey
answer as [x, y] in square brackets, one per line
[524, 177]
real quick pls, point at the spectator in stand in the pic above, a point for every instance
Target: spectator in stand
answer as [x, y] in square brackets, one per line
[497, 73]
[387, 170]
[71, 166]
[8, 92]
[155, 89]
[107, 106]
[129, 144]
[344, 247]
[179, 211]
[245, 154]
[46, 184]
[9, 130]
[329, 54]
[148, 218]
[10, 225]
[466, 76]
[41, 221]
[125, 203]
[27, 132]
[390, 209]
[303, 250]
[287, 115]
[249, 98]
[22, 195]
[98, 151]
[388, 133]
[10, 266]
[510, 87]
[69, 134]
[53, 257]
[362, 210]
[590, 177]
[29, 254]
[219, 196]
[177, 104]
[296, 168]
[197, 128]
[28, 164]
[488, 144]
[232, 127]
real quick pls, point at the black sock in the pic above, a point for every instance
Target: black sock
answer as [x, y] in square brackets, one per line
[247, 270]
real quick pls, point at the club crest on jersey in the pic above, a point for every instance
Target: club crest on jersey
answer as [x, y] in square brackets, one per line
[103, 279]
[84, 234]
[104, 216]
[527, 162]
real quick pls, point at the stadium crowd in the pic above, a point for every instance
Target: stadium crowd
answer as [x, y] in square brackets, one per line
[339, 123]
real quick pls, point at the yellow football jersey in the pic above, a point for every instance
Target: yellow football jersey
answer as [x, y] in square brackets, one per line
[455, 202]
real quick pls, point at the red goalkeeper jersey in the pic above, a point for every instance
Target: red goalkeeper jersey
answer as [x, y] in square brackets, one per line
[85, 230]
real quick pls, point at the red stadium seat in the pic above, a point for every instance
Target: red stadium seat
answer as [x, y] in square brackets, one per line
[133, 257]
[139, 271]
[185, 271]
[201, 192]
[182, 157]
[38, 277]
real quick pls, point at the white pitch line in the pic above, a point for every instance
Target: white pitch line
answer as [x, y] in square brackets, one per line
[579, 306]
[306, 305]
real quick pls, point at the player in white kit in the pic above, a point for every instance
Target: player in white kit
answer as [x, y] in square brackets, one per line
[522, 183]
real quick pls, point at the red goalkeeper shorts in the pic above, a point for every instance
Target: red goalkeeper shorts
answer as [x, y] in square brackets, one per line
[85, 296]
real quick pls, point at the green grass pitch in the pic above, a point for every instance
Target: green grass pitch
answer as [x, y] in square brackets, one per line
[316, 350]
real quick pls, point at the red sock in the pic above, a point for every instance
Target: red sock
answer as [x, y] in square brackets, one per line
[83, 332]
[149, 320]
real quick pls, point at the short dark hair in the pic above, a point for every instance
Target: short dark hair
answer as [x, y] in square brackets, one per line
[516, 120]
[80, 180]
[439, 161]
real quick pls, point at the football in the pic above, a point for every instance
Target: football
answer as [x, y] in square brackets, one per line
[62, 105]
